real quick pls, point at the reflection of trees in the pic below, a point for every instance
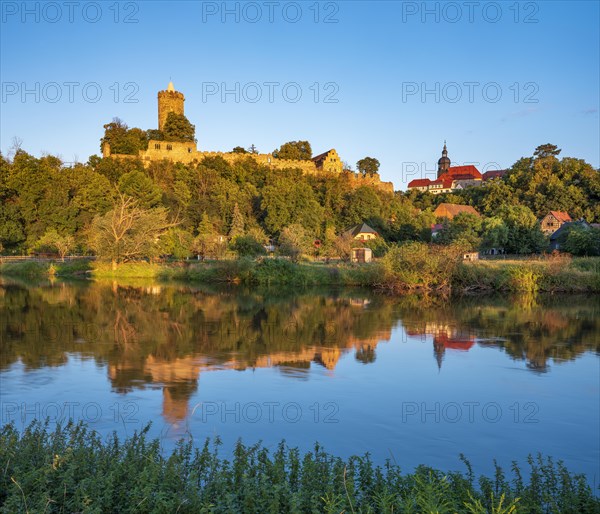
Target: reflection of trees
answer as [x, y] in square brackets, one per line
[167, 335]
[534, 330]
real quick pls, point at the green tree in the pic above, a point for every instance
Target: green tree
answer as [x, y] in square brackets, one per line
[294, 150]
[237, 226]
[128, 231]
[141, 187]
[248, 246]
[547, 150]
[122, 139]
[463, 229]
[582, 240]
[239, 149]
[177, 128]
[208, 243]
[524, 234]
[53, 242]
[494, 234]
[368, 166]
[295, 241]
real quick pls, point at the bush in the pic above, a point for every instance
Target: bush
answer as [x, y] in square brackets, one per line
[415, 265]
[71, 469]
[247, 246]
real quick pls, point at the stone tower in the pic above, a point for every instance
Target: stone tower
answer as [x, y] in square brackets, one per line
[444, 162]
[169, 101]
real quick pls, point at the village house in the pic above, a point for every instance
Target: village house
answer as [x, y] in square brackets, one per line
[450, 210]
[362, 232]
[553, 221]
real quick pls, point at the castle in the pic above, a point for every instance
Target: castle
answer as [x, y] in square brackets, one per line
[171, 100]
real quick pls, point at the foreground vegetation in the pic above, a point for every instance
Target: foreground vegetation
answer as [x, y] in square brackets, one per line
[409, 268]
[71, 469]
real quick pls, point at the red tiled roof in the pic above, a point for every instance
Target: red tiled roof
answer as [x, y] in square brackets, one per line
[561, 216]
[491, 174]
[449, 210]
[464, 170]
[419, 182]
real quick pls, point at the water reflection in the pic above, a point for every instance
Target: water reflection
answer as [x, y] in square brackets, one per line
[165, 337]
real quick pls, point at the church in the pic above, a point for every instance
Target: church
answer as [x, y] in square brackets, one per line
[449, 178]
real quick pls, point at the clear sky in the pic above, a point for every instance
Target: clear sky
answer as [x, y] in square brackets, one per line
[391, 80]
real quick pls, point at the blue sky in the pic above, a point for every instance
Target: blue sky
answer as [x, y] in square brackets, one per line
[503, 77]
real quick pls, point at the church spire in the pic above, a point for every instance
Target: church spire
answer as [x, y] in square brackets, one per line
[444, 162]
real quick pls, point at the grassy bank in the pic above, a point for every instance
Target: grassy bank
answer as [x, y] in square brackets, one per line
[409, 270]
[71, 469]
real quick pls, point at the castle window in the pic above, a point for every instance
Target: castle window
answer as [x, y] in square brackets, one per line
[157, 146]
[169, 147]
[189, 150]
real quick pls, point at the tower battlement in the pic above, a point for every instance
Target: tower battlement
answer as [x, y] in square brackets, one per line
[169, 100]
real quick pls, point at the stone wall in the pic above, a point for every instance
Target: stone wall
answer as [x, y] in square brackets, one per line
[169, 101]
[187, 153]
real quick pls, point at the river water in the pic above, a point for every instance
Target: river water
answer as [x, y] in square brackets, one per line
[413, 380]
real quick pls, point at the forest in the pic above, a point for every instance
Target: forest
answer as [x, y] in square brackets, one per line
[121, 210]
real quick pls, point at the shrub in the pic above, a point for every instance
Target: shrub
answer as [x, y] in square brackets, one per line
[72, 469]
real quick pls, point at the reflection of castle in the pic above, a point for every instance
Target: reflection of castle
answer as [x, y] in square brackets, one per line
[445, 337]
[179, 377]
[187, 152]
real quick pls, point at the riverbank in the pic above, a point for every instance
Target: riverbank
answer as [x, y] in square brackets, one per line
[396, 274]
[72, 469]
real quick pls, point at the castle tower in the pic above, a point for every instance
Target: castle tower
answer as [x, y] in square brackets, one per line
[444, 162]
[169, 101]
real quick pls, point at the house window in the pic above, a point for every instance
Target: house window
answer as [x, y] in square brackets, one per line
[157, 146]
[169, 147]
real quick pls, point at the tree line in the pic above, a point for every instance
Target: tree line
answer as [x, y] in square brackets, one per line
[121, 210]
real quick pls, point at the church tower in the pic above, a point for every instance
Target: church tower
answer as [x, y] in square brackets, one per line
[444, 162]
[169, 101]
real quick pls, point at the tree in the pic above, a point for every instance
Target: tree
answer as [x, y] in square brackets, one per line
[368, 166]
[295, 241]
[494, 234]
[141, 187]
[208, 243]
[128, 231]
[178, 128]
[547, 150]
[582, 240]
[248, 246]
[464, 229]
[239, 149]
[177, 242]
[53, 242]
[343, 245]
[295, 151]
[524, 234]
[236, 228]
[122, 139]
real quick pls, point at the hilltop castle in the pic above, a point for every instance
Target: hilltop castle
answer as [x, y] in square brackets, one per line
[171, 100]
